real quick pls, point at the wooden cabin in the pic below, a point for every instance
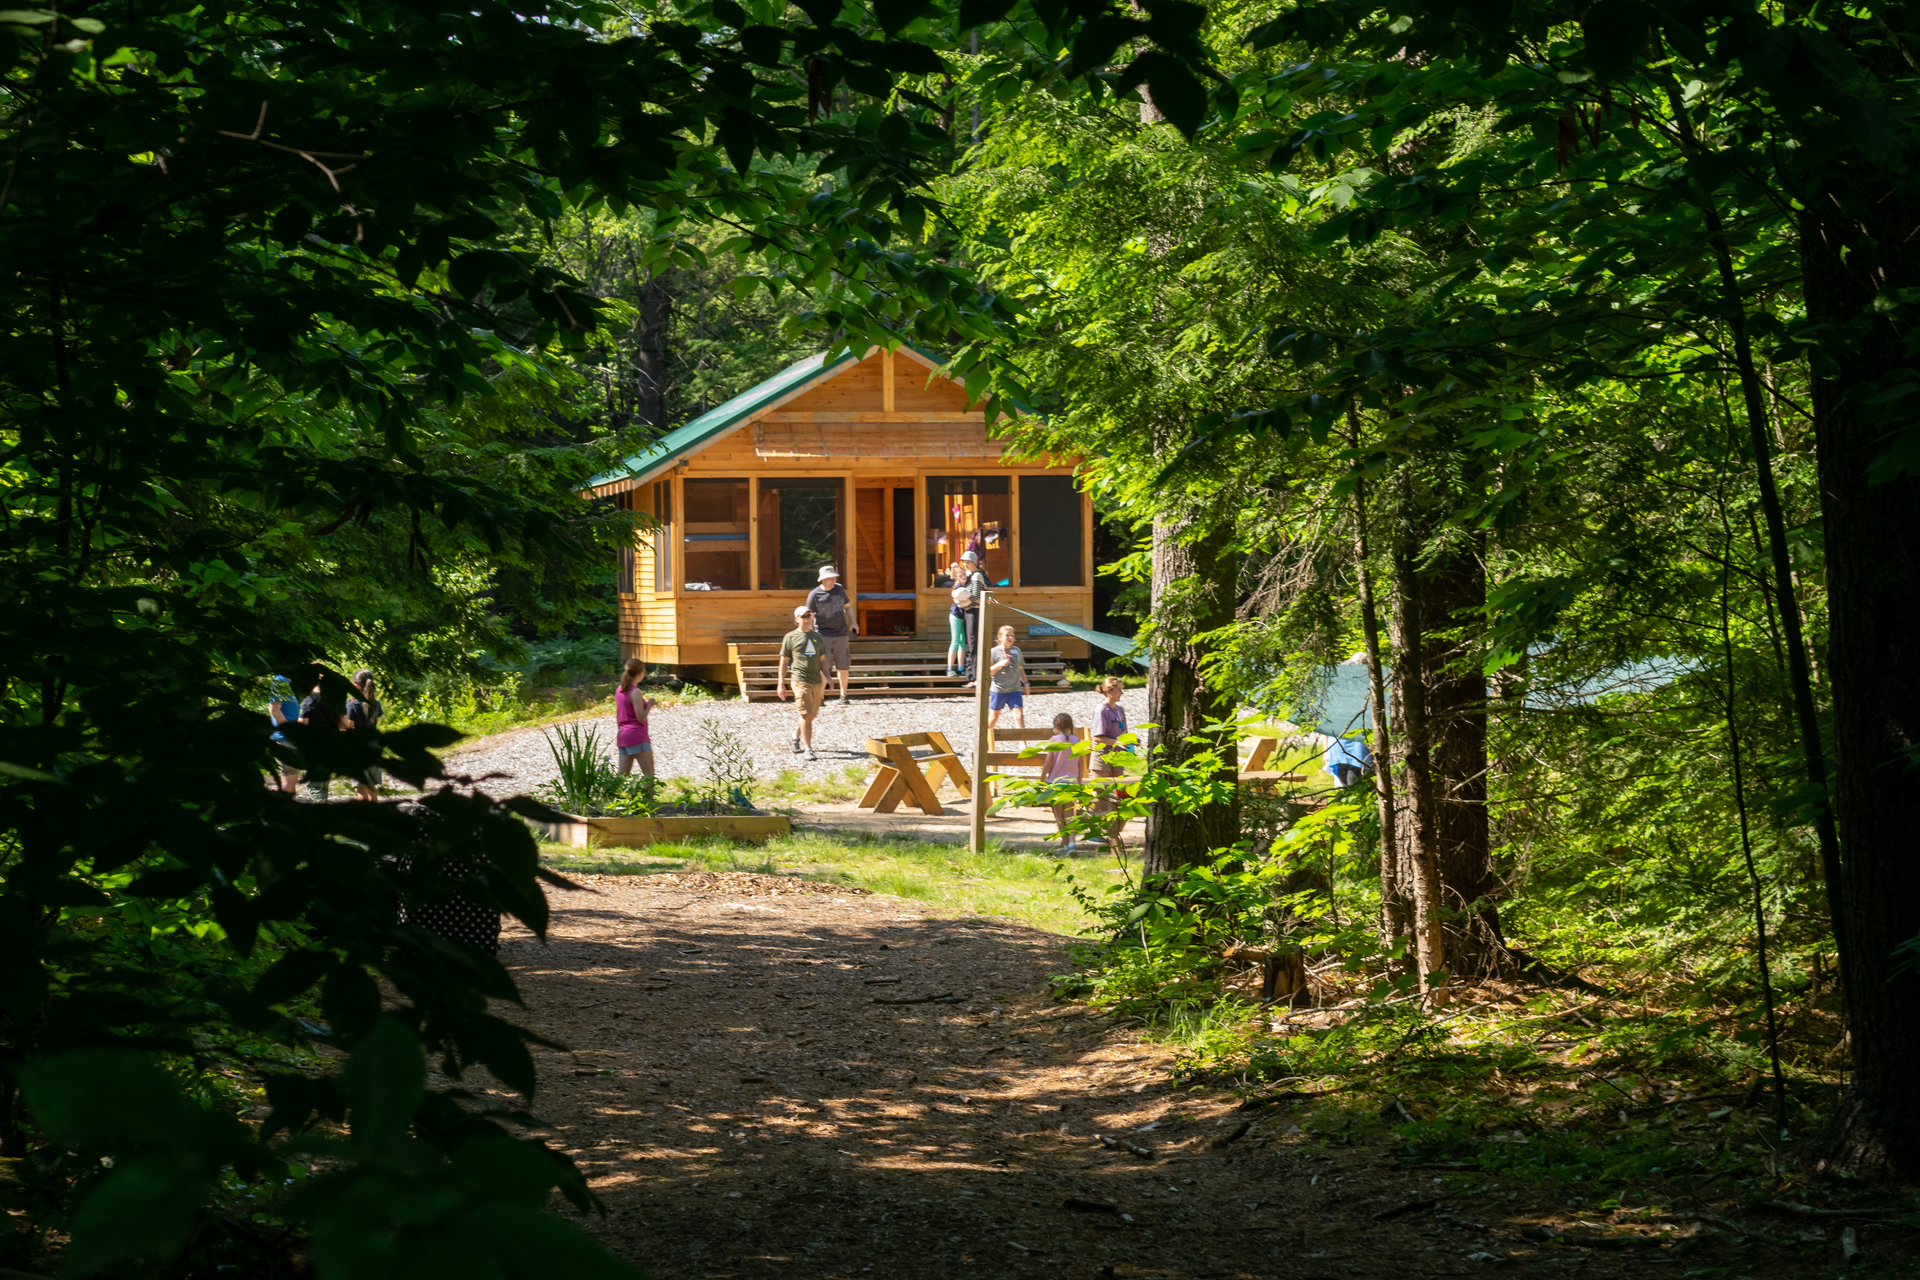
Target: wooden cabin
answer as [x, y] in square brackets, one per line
[879, 466]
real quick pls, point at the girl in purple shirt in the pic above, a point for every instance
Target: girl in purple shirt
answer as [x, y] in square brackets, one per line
[1108, 727]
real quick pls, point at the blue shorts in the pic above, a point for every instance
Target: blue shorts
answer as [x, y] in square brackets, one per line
[997, 701]
[636, 750]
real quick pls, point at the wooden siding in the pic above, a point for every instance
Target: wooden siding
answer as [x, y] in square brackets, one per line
[646, 616]
[848, 439]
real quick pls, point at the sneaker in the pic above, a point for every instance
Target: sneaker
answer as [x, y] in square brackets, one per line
[845, 701]
[797, 748]
[1072, 848]
[810, 754]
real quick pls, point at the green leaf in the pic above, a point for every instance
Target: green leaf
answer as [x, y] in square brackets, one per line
[144, 1209]
[384, 1082]
[1616, 32]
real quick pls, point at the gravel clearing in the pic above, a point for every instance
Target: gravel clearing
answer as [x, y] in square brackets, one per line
[522, 760]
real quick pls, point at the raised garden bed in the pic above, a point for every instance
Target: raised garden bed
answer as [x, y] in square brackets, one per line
[638, 833]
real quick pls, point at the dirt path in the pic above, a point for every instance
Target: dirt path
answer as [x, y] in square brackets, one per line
[746, 1109]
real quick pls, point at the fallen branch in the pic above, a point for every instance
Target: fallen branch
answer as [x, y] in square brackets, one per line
[1117, 1144]
[1292, 1095]
[1239, 1132]
[1808, 1211]
[1089, 1206]
[1651, 1107]
[1412, 1206]
[881, 982]
[1546, 1235]
[944, 995]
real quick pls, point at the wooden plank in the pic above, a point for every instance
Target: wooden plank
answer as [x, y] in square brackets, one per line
[850, 415]
[921, 794]
[948, 766]
[883, 778]
[894, 792]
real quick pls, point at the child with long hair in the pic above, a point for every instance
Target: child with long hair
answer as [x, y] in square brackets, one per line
[1111, 723]
[957, 632]
[1062, 766]
[632, 736]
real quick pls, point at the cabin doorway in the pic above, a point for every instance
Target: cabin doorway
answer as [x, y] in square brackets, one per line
[883, 555]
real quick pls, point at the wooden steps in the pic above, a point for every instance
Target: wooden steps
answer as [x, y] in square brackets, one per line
[883, 669]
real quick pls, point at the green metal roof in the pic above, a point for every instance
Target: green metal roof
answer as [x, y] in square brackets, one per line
[719, 420]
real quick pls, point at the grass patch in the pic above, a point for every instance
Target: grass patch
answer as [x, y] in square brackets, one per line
[789, 788]
[947, 878]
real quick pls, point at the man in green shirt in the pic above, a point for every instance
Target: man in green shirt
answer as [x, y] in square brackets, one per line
[802, 650]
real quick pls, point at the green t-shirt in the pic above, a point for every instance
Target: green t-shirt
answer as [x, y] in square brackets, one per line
[803, 651]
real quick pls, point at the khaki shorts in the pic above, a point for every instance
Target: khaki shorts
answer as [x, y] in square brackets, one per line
[838, 654]
[809, 696]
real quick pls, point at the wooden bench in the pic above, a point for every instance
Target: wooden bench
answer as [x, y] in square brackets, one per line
[898, 773]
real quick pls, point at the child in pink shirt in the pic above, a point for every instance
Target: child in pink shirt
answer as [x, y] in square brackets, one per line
[1062, 766]
[632, 737]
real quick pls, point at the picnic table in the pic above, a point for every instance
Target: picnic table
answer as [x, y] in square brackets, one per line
[898, 773]
[1254, 753]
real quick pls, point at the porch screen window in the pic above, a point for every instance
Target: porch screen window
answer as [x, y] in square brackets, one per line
[969, 511]
[624, 572]
[716, 533]
[1049, 532]
[802, 528]
[663, 536]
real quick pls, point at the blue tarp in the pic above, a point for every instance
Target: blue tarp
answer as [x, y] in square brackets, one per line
[1339, 707]
[1121, 645]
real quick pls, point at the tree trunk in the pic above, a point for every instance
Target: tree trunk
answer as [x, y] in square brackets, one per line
[1417, 822]
[1858, 248]
[1395, 914]
[650, 356]
[1195, 579]
[1452, 597]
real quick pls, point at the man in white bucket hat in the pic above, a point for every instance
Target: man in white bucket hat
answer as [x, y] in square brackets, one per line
[833, 615]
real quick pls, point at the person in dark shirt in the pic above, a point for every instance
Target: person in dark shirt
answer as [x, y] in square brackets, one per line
[976, 585]
[315, 713]
[833, 616]
[364, 712]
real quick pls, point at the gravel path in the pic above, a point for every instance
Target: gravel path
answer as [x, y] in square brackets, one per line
[523, 759]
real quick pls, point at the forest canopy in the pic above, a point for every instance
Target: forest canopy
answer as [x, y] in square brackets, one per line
[1550, 363]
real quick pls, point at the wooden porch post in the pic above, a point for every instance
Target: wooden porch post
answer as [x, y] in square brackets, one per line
[983, 736]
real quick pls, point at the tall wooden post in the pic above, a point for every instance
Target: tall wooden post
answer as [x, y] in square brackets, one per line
[983, 736]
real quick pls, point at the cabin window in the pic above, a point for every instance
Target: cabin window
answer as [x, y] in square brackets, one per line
[715, 533]
[802, 529]
[623, 579]
[969, 511]
[1050, 532]
[663, 536]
